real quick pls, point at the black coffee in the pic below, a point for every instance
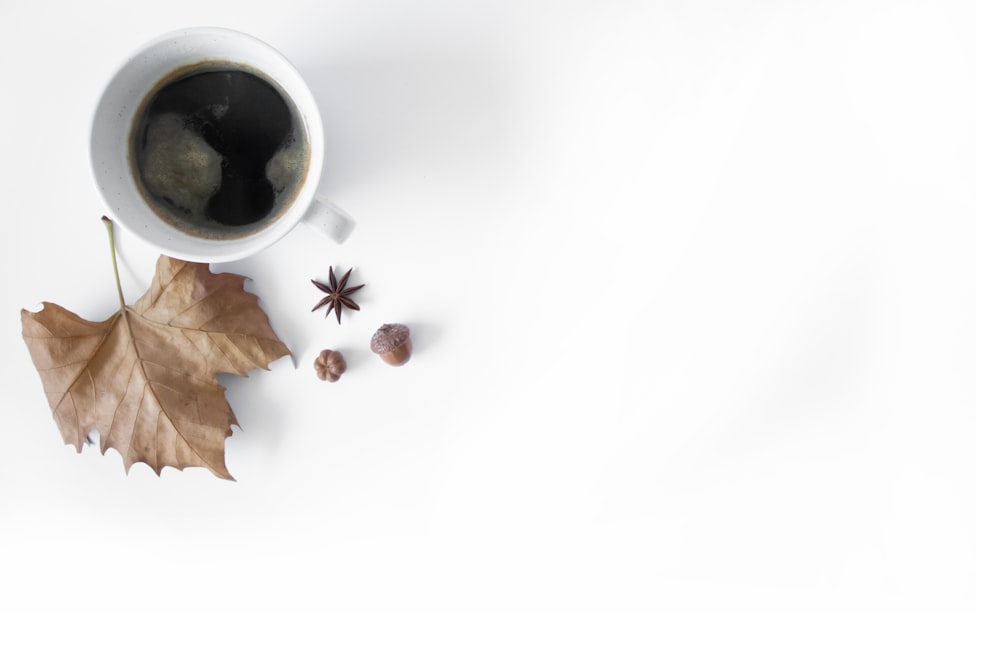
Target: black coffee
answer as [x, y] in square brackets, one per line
[218, 150]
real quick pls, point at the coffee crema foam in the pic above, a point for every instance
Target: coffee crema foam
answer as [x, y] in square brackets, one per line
[218, 151]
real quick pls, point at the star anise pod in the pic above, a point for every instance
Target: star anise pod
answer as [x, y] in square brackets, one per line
[337, 294]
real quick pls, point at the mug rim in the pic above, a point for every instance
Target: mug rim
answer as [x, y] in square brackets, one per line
[112, 121]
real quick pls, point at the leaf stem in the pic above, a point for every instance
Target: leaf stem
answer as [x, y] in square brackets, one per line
[114, 259]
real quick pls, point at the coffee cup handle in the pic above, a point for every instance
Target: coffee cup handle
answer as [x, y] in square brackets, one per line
[329, 220]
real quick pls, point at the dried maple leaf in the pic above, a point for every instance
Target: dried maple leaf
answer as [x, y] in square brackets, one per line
[145, 377]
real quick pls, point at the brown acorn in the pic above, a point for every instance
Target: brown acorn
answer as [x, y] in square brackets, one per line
[392, 343]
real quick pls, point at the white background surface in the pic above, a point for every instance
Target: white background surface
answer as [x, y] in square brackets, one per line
[691, 287]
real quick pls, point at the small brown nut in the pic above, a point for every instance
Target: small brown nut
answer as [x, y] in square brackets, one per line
[330, 365]
[392, 343]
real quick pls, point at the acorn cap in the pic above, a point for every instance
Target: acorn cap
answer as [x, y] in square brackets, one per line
[392, 343]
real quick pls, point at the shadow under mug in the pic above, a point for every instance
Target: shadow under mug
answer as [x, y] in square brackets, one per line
[111, 144]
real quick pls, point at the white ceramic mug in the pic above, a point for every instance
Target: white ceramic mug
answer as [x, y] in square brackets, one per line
[111, 137]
